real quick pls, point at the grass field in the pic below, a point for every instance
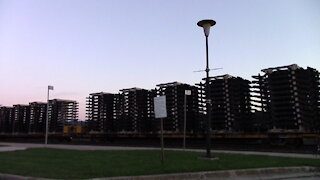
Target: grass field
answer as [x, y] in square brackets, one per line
[72, 164]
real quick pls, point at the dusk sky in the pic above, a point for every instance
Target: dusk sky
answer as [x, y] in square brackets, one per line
[81, 47]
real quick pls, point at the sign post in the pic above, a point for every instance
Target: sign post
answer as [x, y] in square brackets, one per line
[160, 111]
[161, 141]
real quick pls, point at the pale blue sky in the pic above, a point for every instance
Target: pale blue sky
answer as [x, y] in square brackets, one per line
[81, 47]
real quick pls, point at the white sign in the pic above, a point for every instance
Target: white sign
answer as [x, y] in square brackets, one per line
[160, 108]
[187, 92]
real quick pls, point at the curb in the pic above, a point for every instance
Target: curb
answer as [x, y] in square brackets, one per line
[259, 173]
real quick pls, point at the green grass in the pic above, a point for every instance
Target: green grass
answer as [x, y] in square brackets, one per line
[71, 164]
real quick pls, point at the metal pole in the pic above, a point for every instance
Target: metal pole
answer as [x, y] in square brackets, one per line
[185, 121]
[47, 119]
[208, 103]
[161, 139]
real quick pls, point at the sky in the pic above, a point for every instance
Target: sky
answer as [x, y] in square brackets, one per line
[81, 46]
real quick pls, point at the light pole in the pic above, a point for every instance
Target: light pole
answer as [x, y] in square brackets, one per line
[206, 24]
[47, 119]
[186, 93]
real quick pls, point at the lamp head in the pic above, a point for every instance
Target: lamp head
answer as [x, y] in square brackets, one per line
[206, 24]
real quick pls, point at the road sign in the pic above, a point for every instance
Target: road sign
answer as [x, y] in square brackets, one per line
[160, 108]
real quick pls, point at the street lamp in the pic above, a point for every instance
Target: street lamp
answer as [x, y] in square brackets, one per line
[47, 119]
[206, 25]
[186, 93]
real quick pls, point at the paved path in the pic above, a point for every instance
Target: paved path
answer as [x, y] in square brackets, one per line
[284, 173]
[22, 146]
[11, 148]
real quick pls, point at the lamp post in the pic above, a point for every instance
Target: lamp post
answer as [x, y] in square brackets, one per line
[47, 119]
[186, 93]
[206, 24]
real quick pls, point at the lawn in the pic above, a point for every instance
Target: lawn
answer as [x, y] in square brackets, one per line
[72, 164]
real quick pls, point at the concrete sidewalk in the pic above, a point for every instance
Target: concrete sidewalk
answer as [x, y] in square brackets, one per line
[285, 173]
[22, 146]
[11, 148]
